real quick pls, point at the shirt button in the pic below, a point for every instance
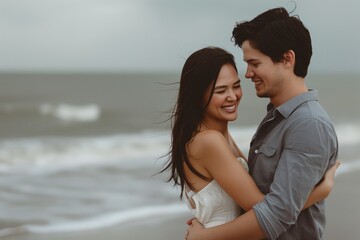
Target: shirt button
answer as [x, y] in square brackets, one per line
[256, 151]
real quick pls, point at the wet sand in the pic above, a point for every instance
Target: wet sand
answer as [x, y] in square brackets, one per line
[343, 217]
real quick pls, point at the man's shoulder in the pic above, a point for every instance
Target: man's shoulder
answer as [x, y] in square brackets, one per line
[311, 110]
[311, 119]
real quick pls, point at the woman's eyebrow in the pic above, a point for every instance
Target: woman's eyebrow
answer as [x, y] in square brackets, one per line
[220, 86]
[238, 81]
[224, 86]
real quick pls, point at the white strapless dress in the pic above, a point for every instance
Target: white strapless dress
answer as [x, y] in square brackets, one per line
[213, 206]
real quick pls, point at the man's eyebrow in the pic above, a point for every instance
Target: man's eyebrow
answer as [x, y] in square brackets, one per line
[250, 60]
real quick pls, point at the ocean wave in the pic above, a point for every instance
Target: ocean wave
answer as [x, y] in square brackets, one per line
[101, 221]
[348, 134]
[61, 111]
[71, 113]
[74, 152]
[134, 214]
[348, 167]
[50, 154]
[127, 216]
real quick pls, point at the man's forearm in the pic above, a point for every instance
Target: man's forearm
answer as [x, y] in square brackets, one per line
[245, 226]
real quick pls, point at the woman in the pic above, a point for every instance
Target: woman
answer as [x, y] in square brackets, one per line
[204, 159]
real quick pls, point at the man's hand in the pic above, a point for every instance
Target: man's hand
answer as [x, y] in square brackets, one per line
[195, 230]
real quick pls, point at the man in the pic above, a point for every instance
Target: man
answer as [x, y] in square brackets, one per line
[293, 145]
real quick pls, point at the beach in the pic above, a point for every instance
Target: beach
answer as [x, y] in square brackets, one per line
[343, 216]
[160, 228]
[80, 153]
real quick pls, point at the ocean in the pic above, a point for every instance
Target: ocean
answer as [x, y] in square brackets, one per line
[81, 151]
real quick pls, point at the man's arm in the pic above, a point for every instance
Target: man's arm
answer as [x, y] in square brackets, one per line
[308, 146]
[244, 227]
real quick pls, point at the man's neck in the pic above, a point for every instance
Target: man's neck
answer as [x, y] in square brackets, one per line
[295, 86]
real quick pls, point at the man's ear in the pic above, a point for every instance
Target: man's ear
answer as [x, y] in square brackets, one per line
[289, 58]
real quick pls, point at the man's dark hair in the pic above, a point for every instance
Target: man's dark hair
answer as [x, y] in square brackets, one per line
[273, 33]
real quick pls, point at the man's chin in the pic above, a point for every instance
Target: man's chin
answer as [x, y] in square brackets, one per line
[261, 95]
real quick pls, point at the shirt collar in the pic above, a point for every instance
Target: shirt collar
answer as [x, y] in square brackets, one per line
[288, 107]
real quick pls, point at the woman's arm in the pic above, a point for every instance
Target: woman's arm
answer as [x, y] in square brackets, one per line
[323, 190]
[214, 153]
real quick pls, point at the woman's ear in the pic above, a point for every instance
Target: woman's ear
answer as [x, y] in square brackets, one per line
[289, 58]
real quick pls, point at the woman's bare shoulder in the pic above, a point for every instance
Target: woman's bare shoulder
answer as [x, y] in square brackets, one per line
[209, 138]
[205, 142]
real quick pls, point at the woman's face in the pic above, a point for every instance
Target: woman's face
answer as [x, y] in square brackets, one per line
[226, 96]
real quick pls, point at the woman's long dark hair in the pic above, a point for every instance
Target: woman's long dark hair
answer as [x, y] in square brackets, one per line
[200, 71]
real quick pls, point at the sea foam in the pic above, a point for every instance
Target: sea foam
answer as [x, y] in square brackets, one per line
[42, 152]
[101, 221]
[72, 113]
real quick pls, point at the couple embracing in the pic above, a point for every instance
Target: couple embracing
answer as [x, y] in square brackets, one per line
[278, 191]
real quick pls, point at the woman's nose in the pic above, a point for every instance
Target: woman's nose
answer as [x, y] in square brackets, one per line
[231, 96]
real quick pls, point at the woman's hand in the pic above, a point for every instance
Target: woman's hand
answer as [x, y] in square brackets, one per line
[195, 230]
[323, 189]
[330, 175]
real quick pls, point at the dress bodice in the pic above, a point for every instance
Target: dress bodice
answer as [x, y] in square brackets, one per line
[213, 206]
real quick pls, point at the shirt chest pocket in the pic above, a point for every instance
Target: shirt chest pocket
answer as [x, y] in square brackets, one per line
[267, 161]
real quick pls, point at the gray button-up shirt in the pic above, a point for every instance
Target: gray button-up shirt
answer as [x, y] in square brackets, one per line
[289, 154]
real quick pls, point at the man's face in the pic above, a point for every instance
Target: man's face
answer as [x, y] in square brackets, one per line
[267, 76]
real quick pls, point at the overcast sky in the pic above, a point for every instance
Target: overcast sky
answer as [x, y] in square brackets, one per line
[158, 35]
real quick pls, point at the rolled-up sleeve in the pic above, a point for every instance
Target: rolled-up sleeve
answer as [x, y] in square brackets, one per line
[306, 151]
[268, 220]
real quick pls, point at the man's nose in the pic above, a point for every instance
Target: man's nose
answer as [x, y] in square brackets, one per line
[249, 73]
